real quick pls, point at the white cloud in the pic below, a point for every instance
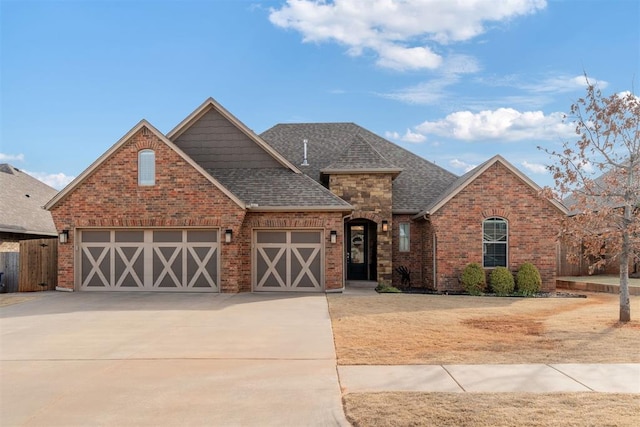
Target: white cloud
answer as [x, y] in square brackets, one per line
[564, 84]
[11, 157]
[434, 90]
[392, 135]
[397, 31]
[502, 124]
[55, 180]
[459, 164]
[409, 136]
[534, 167]
[413, 137]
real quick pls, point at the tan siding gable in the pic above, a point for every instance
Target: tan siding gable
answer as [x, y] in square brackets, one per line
[215, 143]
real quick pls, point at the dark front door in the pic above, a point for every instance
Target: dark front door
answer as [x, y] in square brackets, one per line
[357, 251]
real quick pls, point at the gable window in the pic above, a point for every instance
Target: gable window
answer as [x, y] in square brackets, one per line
[146, 167]
[494, 242]
[404, 242]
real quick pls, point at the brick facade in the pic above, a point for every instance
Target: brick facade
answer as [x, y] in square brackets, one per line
[181, 197]
[498, 192]
[371, 196]
[414, 258]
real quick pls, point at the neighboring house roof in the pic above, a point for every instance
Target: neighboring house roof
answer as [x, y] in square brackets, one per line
[419, 183]
[114, 148]
[607, 200]
[279, 189]
[462, 182]
[22, 198]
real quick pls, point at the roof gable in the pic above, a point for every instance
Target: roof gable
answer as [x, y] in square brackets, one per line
[22, 198]
[143, 124]
[216, 139]
[462, 182]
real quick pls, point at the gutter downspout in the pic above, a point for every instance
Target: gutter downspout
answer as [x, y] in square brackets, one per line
[435, 245]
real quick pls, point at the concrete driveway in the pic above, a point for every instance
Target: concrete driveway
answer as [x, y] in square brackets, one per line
[168, 359]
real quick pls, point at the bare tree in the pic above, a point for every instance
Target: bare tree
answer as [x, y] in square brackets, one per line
[600, 172]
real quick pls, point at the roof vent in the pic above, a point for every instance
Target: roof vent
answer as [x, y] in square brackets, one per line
[304, 159]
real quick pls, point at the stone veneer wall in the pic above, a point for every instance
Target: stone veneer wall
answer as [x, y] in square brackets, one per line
[532, 226]
[371, 196]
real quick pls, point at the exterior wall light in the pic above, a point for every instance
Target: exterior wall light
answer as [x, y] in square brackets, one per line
[385, 225]
[64, 236]
[334, 236]
[227, 235]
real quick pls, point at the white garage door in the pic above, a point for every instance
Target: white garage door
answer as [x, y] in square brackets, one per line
[287, 260]
[163, 260]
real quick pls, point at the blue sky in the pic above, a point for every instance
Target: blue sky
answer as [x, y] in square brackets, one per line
[454, 82]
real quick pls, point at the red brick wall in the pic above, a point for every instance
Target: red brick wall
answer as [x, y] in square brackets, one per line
[532, 225]
[414, 258]
[181, 197]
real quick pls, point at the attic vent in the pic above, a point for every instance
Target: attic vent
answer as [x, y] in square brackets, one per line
[145, 131]
[304, 158]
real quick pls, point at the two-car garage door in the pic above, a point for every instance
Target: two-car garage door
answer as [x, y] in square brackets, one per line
[166, 260]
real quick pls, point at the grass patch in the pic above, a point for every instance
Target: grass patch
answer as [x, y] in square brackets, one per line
[387, 289]
[492, 409]
[10, 299]
[400, 329]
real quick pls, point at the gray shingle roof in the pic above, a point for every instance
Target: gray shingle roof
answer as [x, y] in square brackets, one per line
[22, 198]
[360, 155]
[419, 183]
[277, 187]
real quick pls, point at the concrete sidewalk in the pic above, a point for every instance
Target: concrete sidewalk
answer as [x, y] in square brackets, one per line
[536, 378]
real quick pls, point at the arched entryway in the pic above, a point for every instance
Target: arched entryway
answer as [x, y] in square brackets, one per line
[361, 249]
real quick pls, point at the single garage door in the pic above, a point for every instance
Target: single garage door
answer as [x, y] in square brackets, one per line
[148, 260]
[288, 260]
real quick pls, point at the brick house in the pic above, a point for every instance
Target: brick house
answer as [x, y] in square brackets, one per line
[211, 206]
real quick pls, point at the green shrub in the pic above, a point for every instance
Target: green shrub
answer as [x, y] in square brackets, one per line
[528, 280]
[387, 289]
[501, 281]
[473, 279]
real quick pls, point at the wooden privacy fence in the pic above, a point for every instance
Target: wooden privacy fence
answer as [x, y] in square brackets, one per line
[9, 262]
[38, 265]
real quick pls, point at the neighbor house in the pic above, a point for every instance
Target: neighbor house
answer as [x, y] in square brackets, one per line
[211, 206]
[22, 213]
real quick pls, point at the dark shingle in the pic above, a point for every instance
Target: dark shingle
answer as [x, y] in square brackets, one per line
[419, 183]
[276, 188]
[22, 198]
[360, 155]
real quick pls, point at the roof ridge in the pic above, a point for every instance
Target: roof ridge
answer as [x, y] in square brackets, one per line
[360, 154]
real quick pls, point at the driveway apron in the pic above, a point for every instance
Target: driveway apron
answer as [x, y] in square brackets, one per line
[168, 359]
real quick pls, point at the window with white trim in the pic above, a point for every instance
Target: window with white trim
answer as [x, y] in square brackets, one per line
[404, 240]
[495, 242]
[146, 167]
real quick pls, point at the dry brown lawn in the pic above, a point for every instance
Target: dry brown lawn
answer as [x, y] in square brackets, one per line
[492, 409]
[9, 299]
[439, 329]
